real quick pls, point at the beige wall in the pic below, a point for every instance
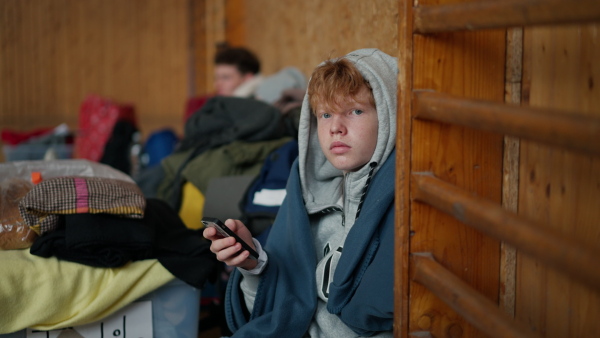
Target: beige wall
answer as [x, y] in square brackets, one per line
[304, 33]
[56, 52]
[156, 53]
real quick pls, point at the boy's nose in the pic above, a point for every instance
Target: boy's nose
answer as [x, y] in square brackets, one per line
[337, 125]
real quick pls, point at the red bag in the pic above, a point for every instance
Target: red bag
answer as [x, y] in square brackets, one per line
[97, 118]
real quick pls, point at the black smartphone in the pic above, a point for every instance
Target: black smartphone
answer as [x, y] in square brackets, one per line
[226, 232]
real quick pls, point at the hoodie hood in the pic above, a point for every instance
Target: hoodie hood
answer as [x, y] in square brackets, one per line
[320, 180]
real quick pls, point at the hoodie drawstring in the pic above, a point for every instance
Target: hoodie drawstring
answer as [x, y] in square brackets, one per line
[364, 192]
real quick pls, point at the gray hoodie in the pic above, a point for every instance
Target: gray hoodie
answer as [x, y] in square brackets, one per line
[335, 197]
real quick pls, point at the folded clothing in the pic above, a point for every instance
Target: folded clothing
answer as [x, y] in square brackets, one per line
[104, 240]
[73, 194]
[98, 240]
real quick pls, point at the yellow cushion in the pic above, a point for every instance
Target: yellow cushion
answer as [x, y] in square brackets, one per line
[192, 206]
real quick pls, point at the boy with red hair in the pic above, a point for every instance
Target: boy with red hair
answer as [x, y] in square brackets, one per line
[327, 267]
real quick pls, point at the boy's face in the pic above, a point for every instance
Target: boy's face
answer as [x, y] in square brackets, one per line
[228, 78]
[348, 132]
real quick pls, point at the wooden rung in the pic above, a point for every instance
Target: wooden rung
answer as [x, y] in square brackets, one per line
[575, 259]
[569, 130]
[420, 334]
[503, 14]
[466, 301]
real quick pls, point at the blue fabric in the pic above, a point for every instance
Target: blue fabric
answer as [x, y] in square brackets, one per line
[273, 175]
[159, 145]
[361, 293]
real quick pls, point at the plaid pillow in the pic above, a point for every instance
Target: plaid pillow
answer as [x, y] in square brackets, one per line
[76, 195]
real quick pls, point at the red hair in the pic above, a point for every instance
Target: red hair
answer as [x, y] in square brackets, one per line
[336, 81]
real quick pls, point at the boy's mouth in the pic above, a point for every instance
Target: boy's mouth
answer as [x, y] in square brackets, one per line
[339, 147]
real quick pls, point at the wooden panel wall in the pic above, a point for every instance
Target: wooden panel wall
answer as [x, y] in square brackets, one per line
[470, 65]
[208, 27]
[304, 33]
[467, 64]
[558, 188]
[198, 57]
[56, 52]
[235, 22]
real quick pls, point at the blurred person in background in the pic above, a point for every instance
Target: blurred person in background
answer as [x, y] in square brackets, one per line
[236, 73]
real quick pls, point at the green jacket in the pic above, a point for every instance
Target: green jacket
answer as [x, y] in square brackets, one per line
[236, 158]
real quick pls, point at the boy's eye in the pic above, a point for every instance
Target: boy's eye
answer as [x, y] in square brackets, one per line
[325, 115]
[357, 111]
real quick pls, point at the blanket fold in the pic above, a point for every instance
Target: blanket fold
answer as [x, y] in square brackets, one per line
[48, 293]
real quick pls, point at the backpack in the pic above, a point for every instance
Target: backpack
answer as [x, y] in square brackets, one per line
[264, 196]
[160, 144]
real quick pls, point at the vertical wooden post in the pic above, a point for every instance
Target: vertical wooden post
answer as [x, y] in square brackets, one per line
[403, 146]
[510, 167]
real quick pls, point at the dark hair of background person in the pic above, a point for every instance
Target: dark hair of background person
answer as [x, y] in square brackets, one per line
[245, 61]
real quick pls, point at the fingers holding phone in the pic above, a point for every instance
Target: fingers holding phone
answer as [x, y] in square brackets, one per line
[231, 242]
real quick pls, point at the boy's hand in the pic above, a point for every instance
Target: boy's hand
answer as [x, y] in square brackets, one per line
[227, 249]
